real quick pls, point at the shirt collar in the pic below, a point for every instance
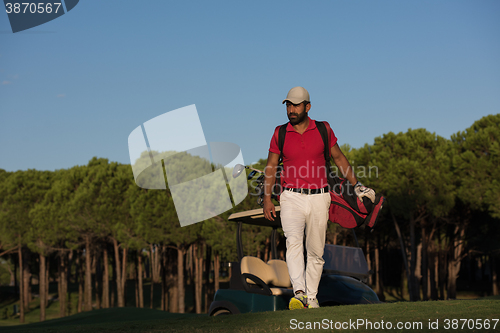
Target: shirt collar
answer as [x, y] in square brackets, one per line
[312, 125]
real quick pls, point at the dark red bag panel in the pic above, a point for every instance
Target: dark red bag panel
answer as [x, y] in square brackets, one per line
[371, 219]
[341, 213]
[347, 210]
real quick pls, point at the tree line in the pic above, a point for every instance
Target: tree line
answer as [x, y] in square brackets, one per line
[93, 227]
[443, 202]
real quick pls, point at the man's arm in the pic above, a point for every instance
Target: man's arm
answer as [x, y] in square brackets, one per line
[343, 164]
[269, 179]
[347, 171]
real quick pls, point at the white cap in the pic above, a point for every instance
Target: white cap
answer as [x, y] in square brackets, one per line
[297, 95]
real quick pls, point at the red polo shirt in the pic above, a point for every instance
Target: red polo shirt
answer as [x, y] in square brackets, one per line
[303, 156]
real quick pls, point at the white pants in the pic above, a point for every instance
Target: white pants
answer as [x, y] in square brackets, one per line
[301, 212]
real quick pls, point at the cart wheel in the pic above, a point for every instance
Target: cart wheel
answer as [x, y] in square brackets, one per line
[221, 312]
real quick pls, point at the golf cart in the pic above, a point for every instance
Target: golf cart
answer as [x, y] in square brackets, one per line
[256, 286]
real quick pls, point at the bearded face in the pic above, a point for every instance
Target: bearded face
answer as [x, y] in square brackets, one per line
[296, 113]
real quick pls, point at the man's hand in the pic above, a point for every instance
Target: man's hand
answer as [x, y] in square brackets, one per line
[362, 191]
[269, 210]
[270, 177]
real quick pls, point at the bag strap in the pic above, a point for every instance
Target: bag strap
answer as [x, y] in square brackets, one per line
[324, 135]
[326, 152]
[281, 141]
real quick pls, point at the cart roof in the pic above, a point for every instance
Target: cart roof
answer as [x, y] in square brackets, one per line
[256, 217]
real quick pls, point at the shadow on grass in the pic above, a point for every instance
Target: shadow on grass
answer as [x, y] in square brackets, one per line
[103, 316]
[10, 298]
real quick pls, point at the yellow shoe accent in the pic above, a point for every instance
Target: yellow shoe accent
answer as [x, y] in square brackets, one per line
[299, 301]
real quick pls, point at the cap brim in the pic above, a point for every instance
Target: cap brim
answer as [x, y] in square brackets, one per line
[293, 101]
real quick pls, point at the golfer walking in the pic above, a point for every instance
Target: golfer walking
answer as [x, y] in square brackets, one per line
[305, 199]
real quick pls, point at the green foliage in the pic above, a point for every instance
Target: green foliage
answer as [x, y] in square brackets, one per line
[476, 162]
[51, 216]
[3, 175]
[413, 172]
[5, 266]
[154, 214]
[19, 193]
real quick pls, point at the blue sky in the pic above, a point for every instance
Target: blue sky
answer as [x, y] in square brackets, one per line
[76, 87]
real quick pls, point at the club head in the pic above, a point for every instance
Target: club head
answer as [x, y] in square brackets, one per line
[238, 169]
[251, 174]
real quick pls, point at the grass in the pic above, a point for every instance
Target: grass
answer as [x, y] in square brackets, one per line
[146, 320]
[10, 298]
[131, 319]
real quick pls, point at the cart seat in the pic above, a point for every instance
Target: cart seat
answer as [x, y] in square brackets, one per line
[274, 274]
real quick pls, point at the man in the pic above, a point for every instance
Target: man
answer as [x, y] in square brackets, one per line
[305, 198]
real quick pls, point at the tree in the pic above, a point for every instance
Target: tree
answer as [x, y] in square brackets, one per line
[52, 228]
[476, 163]
[415, 177]
[99, 211]
[19, 193]
[154, 217]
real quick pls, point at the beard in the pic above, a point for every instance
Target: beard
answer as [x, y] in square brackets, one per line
[299, 118]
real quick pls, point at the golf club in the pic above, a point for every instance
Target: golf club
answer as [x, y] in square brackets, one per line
[251, 174]
[238, 169]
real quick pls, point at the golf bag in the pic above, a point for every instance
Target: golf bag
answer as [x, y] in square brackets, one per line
[348, 210]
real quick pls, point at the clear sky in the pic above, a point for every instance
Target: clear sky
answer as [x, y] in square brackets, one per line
[77, 86]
